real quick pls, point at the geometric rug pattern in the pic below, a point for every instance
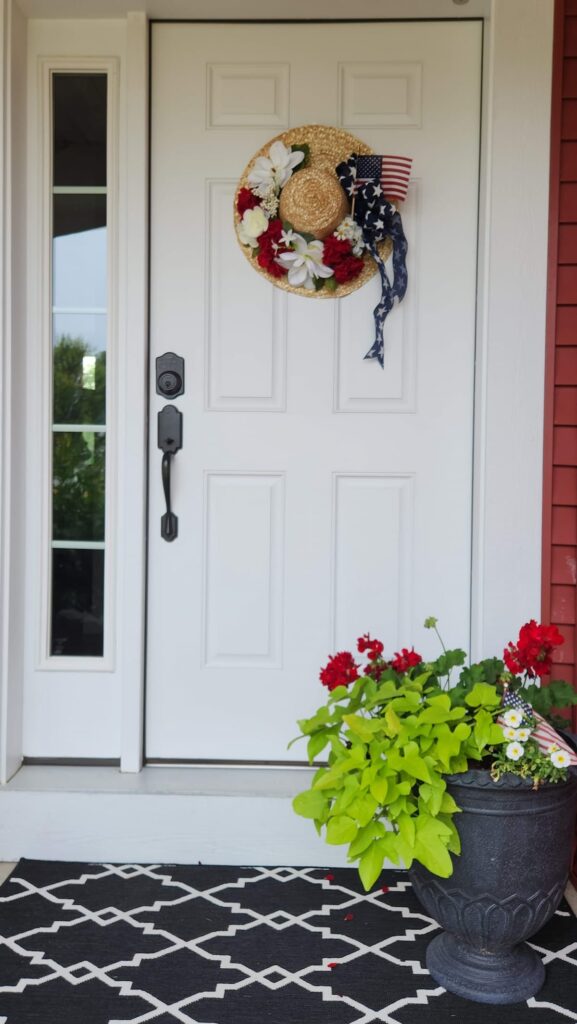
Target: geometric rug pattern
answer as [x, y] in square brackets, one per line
[127, 944]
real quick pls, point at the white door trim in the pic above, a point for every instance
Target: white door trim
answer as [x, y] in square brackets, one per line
[509, 412]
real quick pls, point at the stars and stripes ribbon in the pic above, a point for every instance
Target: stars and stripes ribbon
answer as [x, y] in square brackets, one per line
[543, 734]
[362, 179]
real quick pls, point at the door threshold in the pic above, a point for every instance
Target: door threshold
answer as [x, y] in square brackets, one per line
[237, 816]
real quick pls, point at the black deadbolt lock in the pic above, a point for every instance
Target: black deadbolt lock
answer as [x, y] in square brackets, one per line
[170, 375]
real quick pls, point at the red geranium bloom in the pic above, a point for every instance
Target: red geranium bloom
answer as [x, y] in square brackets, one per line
[405, 659]
[246, 201]
[340, 670]
[269, 246]
[533, 651]
[364, 643]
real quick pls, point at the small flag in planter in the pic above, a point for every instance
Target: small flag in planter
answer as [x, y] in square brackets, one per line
[543, 734]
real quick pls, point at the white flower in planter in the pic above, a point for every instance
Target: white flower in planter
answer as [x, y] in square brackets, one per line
[276, 168]
[304, 263]
[513, 718]
[252, 225]
[560, 758]
[515, 751]
[522, 735]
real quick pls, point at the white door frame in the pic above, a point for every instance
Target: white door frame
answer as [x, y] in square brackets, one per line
[510, 349]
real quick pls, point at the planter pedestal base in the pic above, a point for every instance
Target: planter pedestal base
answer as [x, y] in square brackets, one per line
[510, 977]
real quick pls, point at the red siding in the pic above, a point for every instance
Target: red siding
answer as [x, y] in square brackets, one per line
[560, 465]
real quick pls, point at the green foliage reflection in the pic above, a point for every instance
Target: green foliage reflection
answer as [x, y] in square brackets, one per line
[78, 456]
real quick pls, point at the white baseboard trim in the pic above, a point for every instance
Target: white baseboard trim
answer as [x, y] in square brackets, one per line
[169, 815]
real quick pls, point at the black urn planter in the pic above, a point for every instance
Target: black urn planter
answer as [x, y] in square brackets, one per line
[506, 884]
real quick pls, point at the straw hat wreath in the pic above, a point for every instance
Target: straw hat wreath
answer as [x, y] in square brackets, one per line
[316, 214]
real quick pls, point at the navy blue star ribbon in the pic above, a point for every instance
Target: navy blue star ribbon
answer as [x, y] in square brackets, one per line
[378, 220]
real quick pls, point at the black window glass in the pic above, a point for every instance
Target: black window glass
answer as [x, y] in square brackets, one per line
[79, 103]
[77, 602]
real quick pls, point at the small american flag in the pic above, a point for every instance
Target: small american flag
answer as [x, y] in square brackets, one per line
[391, 172]
[543, 734]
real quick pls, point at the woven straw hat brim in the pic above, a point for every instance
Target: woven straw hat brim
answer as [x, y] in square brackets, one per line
[328, 147]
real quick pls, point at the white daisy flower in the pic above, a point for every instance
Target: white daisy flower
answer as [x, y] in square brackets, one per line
[304, 263]
[275, 169]
[552, 747]
[510, 734]
[522, 735]
[514, 751]
[560, 758]
[513, 718]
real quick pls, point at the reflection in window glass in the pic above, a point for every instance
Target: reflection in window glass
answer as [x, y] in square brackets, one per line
[78, 485]
[79, 324]
[79, 252]
[79, 104]
[79, 379]
[78, 602]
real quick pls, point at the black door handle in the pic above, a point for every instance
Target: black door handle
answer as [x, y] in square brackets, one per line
[170, 442]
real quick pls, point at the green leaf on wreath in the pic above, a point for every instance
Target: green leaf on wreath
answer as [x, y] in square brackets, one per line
[302, 148]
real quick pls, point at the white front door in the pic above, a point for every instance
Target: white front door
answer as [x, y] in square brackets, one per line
[318, 496]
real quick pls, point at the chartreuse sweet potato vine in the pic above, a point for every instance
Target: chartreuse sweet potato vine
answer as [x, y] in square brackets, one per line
[391, 736]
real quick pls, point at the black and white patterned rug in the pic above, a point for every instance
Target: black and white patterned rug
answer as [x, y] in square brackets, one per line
[109, 944]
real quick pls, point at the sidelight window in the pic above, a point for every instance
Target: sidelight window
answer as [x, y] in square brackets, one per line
[79, 308]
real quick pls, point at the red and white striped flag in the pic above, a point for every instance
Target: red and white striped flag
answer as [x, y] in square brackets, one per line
[543, 734]
[391, 172]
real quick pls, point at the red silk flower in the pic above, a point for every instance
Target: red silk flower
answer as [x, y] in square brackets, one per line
[246, 201]
[338, 254]
[269, 246]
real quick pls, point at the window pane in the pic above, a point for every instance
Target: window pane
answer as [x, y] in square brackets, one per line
[79, 252]
[77, 602]
[79, 322]
[79, 129]
[79, 370]
[78, 486]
